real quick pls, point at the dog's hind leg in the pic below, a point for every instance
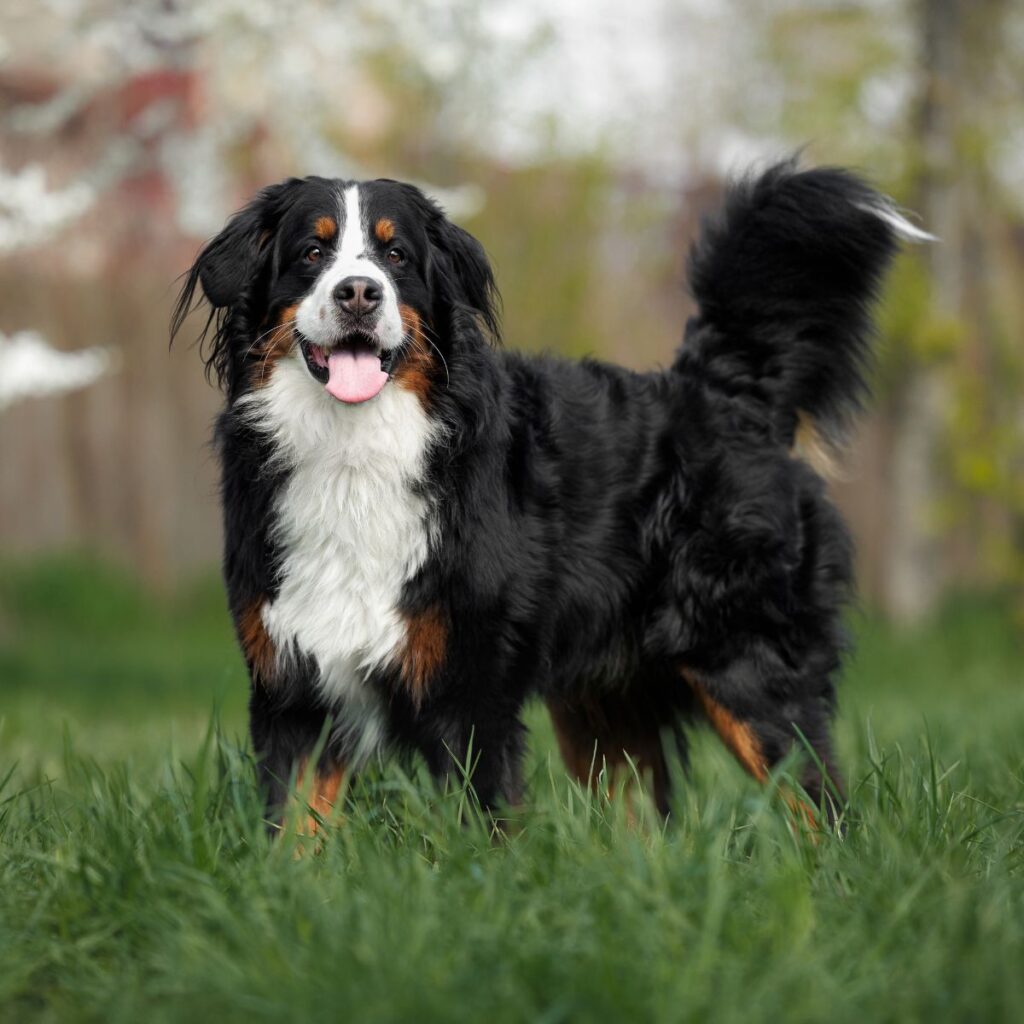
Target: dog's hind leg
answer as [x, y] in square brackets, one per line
[621, 734]
[761, 731]
[484, 749]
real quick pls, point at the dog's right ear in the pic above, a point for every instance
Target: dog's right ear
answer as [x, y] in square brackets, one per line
[228, 266]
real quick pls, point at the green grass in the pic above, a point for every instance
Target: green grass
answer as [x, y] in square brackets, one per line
[136, 882]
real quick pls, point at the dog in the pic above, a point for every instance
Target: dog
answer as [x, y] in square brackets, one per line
[423, 530]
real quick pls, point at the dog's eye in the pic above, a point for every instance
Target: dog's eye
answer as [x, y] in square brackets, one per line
[396, 255]
[313, 254]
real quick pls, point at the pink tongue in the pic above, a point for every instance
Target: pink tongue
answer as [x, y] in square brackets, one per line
[355, 375]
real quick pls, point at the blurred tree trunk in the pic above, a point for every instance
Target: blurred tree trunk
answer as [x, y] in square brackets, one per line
[915, 568]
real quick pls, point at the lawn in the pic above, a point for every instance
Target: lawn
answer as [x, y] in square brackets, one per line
[137, 883]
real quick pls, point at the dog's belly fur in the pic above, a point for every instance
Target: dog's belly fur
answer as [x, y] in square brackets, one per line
[351, 529]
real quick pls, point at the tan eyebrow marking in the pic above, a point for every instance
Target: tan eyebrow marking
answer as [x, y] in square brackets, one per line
[326, 228]
[384, 229]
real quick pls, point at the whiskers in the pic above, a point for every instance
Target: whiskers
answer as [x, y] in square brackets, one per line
[269, 330]
[425, 327]
[283, 326]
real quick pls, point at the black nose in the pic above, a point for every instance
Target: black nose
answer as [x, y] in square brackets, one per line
[358, 295]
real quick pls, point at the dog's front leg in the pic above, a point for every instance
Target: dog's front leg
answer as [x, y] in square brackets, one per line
[484, 750]
[296, 759]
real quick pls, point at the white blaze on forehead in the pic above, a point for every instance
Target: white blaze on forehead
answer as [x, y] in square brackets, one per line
[317, 317]
[352, 247]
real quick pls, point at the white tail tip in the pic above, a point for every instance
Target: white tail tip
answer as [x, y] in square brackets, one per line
[903, 228]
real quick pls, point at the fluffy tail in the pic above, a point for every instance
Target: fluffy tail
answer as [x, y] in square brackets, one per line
[785, 276]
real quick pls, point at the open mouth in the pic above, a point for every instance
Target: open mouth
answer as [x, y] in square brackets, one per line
[351, 372]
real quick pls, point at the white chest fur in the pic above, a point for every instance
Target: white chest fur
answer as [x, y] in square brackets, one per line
[351, 531]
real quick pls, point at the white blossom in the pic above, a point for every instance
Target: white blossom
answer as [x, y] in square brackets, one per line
[30, 212]
[31, 368]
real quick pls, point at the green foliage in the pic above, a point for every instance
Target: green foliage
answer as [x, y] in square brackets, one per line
[545, 232]
[83, 645]
[823, 59]
[163, 899]
[858, 87]
[139, 884]
[912, 334]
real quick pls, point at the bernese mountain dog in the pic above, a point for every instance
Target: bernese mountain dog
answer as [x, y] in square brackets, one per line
[422, 530]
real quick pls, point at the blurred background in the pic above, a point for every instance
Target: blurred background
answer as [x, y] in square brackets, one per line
[580, 142]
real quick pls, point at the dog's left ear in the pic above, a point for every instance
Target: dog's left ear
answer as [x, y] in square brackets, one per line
[462, 273]
[465, 272]
[229, 265]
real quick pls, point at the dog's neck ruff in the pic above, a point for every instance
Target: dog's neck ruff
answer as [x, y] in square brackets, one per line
[351, 527]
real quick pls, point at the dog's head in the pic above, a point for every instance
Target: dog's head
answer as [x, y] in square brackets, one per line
[361, 281]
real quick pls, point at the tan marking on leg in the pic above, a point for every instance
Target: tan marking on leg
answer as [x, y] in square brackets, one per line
[580, 763]
[384, 230]
[325, 228]
[800, 808]
[582, 730]
[591, 737]
[742, 741]
[736, 735]
[426, 644]
[321, 797]
[257, 646]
